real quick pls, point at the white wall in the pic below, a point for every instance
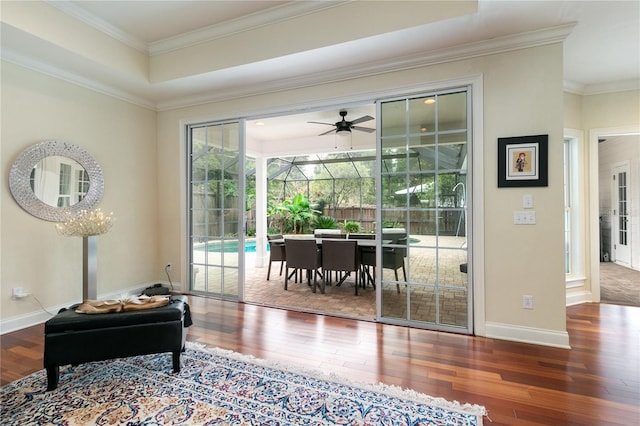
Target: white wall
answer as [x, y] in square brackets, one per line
[122, 139]
[522, 96]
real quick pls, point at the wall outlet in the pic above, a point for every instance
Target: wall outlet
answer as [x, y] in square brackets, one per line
[169, 267]
[527, 302]
[18, 293]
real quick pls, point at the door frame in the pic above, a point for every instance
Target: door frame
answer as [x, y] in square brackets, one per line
[594, 202]
[475, 82]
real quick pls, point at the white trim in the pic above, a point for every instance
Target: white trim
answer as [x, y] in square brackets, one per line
[477, 215]
[99, 24]
[17, 58]
[535, 336]
[259, 19]
[597, 89]
[578, 231]
[456, 53]
[579, 298]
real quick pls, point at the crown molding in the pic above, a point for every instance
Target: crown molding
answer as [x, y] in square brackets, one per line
[574, 87]
[466, 51]
[457, 53]
[602, 88]
[9, 55]
[614, 86]
[245, 23]
[100, 24]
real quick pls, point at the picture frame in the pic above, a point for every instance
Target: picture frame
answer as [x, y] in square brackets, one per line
[523, 161]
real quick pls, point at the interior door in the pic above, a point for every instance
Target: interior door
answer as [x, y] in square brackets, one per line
[216, 216]
[620, 215]
[423, 219]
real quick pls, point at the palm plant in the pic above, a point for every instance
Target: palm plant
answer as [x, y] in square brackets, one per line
[296, 214]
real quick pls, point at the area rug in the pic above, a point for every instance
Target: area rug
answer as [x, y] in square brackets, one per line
[217, 387]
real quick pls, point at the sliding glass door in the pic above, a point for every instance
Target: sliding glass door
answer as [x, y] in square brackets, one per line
[216, 216]
[423, 155]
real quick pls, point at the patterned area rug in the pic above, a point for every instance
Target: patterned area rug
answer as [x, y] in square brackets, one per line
[217, 387]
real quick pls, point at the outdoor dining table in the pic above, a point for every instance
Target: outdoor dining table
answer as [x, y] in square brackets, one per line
[362, 242]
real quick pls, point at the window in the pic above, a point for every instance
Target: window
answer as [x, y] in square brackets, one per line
[574, 208]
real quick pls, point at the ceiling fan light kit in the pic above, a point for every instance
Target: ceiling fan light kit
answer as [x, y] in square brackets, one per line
[342, 129]
[343, 138]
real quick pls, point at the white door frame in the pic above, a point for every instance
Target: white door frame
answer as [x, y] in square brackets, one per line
[594, 208]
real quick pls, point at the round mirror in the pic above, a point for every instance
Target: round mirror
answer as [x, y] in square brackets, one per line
[55, 180]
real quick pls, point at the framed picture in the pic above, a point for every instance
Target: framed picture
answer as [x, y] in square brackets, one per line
[522, 161]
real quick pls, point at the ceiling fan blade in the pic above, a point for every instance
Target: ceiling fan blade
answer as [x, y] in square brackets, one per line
[362, 119]
[363, 129]
[327, 132]
[319, 122]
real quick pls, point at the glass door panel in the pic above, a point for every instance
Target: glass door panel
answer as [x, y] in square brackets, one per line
[216, 221]
[423, 211]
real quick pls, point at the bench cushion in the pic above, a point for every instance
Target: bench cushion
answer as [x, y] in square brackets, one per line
[69, 320]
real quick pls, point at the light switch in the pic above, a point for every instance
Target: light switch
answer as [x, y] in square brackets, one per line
[527, 201]
[524, 218]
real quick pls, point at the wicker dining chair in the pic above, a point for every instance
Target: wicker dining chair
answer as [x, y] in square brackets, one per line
[277, 252]
[303, 255]
[341, 256]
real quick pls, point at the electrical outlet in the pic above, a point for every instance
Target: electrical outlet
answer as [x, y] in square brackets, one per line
[527, 302]
[18, 293]
[169, 267]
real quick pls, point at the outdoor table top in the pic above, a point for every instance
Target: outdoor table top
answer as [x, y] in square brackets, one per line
[361, 242]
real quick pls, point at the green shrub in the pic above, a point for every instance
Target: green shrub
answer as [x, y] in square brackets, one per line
[351, 227]
[325, 222]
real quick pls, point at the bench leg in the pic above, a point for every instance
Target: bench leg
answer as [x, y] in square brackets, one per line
[176, 361]
[53, 374]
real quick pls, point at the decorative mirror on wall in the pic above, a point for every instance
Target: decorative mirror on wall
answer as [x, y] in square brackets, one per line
[56, 180]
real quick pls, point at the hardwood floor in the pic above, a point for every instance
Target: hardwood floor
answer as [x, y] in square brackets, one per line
[597, 382]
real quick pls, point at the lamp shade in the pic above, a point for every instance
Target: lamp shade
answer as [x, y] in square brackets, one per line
[343, 138]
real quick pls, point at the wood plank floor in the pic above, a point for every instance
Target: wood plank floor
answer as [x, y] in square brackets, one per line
[597, 382]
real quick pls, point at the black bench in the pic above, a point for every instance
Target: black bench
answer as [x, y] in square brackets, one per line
[74, 338]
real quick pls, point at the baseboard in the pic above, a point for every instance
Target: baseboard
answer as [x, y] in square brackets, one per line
[578, 298]
[19, 322]
[535, 336]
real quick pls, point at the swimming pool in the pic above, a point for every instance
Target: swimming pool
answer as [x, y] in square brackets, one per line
[230, 246]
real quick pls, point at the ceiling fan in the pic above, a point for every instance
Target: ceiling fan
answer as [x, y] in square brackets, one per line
[346, 126]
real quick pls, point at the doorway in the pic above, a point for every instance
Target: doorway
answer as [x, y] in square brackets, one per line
[610, 148]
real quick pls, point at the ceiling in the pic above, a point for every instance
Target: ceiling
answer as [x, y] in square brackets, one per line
[601, 53]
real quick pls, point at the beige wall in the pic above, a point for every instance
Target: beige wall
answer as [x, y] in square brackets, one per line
[608, 110]
[522, 96]
[122, 139]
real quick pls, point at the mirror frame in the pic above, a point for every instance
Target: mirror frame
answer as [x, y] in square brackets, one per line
[20, 180]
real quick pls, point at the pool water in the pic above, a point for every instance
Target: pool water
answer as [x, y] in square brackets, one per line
[229, 247]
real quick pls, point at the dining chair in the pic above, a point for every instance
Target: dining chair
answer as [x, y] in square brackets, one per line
[393, 258]
[277, 252]
[303, 255]
[341, 256]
